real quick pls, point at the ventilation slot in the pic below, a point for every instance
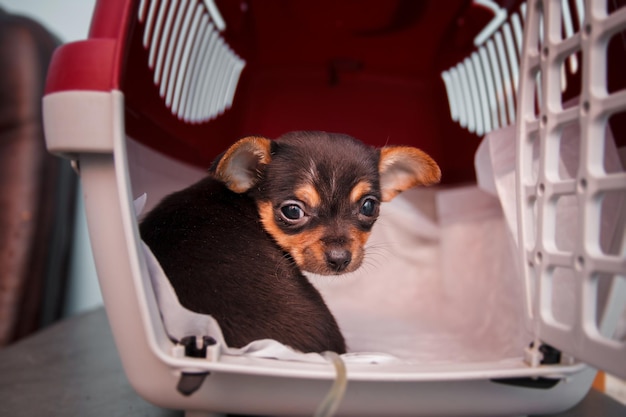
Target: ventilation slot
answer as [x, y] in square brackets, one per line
[495, 70]
[194, 69]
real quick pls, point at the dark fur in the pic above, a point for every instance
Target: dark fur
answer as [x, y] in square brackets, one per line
[221, 262]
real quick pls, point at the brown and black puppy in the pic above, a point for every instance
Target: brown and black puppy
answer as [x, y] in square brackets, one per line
[234, 244]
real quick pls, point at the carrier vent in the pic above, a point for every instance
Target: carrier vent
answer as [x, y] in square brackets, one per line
[194, 69]
[482, 89]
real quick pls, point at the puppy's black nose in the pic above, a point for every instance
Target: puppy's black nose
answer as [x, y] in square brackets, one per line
[338, 259]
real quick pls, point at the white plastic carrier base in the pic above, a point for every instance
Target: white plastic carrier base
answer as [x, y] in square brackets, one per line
[458, 282]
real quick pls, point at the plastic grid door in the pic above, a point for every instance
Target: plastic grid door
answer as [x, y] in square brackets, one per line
[542, 118]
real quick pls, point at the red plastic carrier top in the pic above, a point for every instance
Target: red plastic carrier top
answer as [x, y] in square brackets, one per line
[370, 69]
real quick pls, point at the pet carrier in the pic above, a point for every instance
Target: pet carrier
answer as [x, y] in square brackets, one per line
[495, 299]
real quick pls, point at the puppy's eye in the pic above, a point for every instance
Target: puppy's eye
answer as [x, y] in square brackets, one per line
[369, 207]
[292, 211]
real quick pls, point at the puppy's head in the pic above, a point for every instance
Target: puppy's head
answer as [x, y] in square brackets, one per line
[318, 194]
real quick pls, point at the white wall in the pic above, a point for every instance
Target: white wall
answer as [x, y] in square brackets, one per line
[69, 21]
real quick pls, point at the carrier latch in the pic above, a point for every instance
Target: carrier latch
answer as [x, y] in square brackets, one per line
[196, 347]
[545, 355]
[200, 347]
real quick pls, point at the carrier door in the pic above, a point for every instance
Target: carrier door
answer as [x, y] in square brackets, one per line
[571, 186]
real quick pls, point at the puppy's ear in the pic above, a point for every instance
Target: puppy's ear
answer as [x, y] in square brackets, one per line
[403, 167]
[241, 164]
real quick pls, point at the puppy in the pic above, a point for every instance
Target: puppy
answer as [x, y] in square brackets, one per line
[234, 244]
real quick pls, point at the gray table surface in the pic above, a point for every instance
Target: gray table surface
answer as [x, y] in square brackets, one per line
[72, 369]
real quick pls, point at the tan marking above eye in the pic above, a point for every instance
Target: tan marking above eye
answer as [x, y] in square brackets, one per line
[359, 190]
[308, 195]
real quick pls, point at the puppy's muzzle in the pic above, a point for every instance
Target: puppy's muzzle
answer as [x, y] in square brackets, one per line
[337, 259]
